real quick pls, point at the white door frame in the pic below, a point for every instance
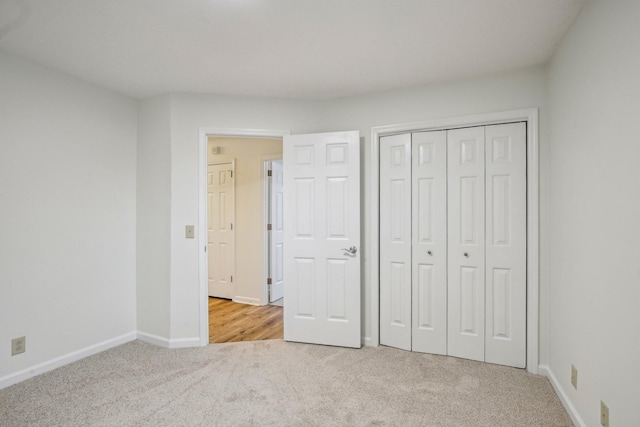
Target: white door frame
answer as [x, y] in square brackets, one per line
[530, 116]
[204, 134]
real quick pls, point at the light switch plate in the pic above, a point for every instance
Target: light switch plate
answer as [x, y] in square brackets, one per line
[189, 231]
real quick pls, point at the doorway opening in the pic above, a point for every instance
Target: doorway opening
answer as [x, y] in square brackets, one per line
[243, 313]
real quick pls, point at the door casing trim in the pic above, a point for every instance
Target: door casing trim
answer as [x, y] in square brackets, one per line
[530, 116]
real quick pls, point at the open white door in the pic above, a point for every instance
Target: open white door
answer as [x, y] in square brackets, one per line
[277, 233]
[322, 238]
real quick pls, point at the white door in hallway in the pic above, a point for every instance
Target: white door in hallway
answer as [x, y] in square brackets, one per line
[277, 232]
[220, 233]
[322, 238]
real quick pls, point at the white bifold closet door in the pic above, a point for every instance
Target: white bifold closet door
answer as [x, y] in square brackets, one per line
[453, 242]
[429, 242]
[466, 243]
[506, 245]
[413, 242]
[395, 241]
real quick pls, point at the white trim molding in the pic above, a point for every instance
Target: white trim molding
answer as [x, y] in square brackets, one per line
[63, 360]
[246, 300]
[530, 116]
[566, 402]
[168, 343]
[153, 339]
[204, 134]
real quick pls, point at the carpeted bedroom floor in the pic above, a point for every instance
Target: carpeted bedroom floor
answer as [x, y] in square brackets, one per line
[275, 383]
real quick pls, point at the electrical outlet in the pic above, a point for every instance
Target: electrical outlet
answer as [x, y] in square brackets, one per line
[574, 377]
[18, 345]
[189, 231]
[604, 414]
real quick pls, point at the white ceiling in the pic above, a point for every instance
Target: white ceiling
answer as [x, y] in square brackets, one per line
[306, 49]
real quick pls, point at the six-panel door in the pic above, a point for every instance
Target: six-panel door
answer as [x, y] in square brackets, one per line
[221, 239]
[322, 238]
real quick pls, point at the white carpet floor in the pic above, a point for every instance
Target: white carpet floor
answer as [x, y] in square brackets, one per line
[276, 383]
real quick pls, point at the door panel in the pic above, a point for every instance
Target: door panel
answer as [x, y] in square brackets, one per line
[277, 232]
[221, 238]
[322, 213]
[395, 241]
[506, 244]
[466, 264]
[429, 242]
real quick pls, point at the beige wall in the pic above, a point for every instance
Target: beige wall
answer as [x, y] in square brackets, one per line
[249, 155]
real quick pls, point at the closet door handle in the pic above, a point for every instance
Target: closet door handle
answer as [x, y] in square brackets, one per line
[466, 254]
[352, 250]
[429, 253]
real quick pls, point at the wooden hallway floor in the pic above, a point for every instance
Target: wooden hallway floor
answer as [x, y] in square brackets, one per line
[231, 322]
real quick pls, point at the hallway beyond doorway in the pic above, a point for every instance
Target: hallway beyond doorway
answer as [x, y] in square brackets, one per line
[231, 322]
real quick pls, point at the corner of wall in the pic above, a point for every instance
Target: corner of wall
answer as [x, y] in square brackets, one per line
[546, 371]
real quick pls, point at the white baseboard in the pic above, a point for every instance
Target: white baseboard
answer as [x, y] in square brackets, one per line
[185, 342]
[169, 343]
[246, 300]
[58, 362]
[571, 410]
[153, 339]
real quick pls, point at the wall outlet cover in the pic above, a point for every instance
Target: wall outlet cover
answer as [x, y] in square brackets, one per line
[18, 345]
[604, 414]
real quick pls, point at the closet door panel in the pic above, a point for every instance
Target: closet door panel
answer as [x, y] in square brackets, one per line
[429, 242]
[466, 243]
[395, 241]
[506, 244]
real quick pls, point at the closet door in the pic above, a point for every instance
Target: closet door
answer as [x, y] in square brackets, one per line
[429, 242]
[395, 241]
[506, 246]
[466, 243]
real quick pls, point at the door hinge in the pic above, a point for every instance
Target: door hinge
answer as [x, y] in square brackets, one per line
[269, 281]
[231, 279]
[231, 226]
[205, 249]
[269, 172]
[231, 174]
[268, 227]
